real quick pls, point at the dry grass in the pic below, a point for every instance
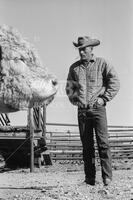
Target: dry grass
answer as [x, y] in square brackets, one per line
[22, 75]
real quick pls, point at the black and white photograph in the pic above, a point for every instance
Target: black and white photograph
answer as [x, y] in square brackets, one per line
[66, 99]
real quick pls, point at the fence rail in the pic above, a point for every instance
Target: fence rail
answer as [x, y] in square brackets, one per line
[65, 145]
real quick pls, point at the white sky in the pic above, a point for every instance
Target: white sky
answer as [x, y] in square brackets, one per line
[52, 25]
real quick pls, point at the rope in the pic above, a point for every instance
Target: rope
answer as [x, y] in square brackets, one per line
[17, 148]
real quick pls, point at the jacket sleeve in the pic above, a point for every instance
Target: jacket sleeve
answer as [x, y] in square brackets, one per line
[111, 82]
[72, 87]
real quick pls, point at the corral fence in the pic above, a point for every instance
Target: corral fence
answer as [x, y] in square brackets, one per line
[64, 142]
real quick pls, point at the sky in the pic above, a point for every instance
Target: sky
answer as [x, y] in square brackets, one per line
[52, 25]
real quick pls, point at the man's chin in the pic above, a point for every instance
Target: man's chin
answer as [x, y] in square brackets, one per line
[84, 59]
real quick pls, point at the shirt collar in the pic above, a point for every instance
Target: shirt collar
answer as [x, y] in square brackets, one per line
[93, 59]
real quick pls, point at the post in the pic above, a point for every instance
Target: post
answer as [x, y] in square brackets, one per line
[39, 118]
[44, 122]
[31, 126]
[46, 154]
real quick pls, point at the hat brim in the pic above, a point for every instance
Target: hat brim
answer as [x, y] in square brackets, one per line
[93, 42]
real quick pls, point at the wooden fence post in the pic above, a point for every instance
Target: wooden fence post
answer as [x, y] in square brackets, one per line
[31, 126]
[44, 122]
[46, 154]
[39, 118]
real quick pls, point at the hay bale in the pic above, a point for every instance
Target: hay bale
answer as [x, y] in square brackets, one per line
[24, 81]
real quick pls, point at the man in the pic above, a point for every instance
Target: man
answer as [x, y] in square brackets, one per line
[91, 83]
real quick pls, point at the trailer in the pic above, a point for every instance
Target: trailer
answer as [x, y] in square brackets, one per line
[24, 146]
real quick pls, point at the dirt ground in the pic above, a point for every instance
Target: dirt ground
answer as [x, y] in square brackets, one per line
[64, 181]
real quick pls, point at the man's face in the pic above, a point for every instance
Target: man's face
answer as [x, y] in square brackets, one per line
[85, 53]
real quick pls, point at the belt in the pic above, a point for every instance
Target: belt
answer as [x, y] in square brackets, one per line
[89, 106]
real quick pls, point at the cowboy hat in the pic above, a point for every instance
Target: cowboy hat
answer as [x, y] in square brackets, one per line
[85, 42]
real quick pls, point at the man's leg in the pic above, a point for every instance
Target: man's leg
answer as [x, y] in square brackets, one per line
[100, 123]
[86, 135]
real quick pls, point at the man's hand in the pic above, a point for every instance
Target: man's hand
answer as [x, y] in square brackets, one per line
[100, 101]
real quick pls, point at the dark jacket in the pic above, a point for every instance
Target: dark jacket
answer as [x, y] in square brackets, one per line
[85, 82]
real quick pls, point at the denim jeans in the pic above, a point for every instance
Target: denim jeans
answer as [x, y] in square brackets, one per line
[90, 121]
